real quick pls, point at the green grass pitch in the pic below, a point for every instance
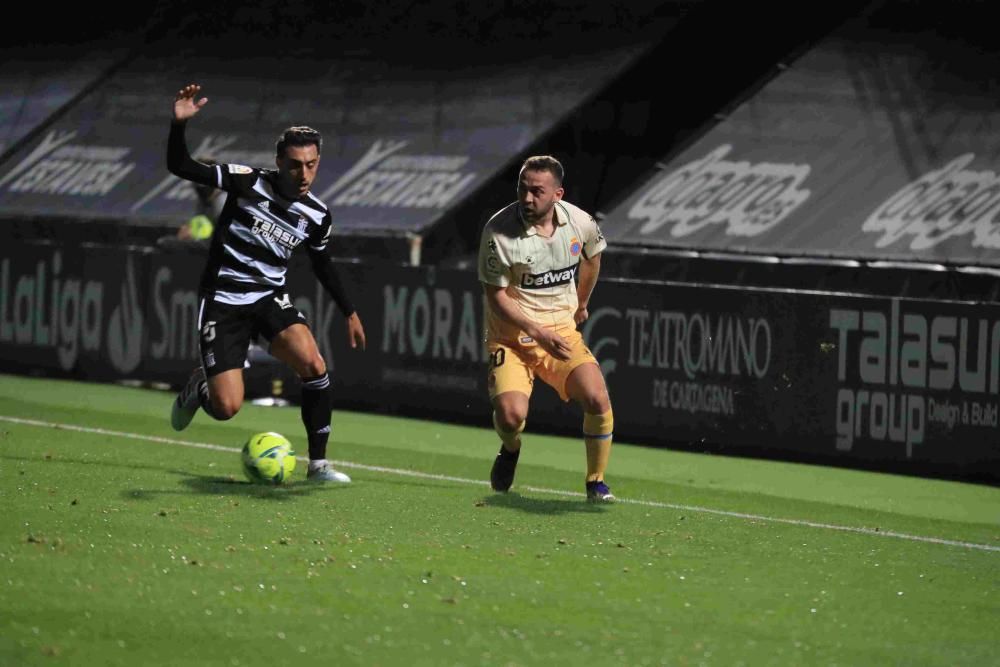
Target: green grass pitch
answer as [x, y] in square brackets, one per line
[125, 543]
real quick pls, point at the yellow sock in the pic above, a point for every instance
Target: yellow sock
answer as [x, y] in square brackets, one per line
[511, 439]
[597, 435]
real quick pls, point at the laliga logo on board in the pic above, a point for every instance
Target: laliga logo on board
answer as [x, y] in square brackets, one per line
[125, 325]
[749, 199]
[47, 306]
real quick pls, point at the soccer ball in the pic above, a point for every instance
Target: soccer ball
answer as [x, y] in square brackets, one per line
[268, 458]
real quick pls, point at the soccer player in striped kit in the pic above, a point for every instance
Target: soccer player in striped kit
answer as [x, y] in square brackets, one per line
[267, 215]
[529, 255]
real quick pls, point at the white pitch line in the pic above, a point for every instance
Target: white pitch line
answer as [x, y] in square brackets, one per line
[464, 480]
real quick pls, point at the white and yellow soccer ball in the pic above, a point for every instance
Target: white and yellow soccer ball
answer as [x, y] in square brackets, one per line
[268, 458]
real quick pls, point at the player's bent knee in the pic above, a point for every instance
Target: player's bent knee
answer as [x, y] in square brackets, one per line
[597, 403]
[223, 408]
[314, 367]
[509, 417]
[508, 422]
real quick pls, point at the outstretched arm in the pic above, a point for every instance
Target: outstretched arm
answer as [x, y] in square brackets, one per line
[179, 160]
[329, 277]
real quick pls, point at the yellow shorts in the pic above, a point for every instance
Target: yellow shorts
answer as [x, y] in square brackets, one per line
[514, 368]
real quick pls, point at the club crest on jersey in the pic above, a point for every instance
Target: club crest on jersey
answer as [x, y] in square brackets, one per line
[265, 204]
[548, 278]
[238, 169]
[303, 223]
[575, 247]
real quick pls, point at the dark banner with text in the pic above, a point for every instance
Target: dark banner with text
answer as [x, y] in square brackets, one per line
[851, 378]
[908, 384]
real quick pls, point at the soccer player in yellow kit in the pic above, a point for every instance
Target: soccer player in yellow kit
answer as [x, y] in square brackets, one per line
[529, 255]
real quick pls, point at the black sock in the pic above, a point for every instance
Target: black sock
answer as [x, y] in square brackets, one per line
[507, 454]
[317, 404]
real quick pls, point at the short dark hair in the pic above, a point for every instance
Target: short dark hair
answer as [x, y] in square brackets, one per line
[545, 163]
[299, 135]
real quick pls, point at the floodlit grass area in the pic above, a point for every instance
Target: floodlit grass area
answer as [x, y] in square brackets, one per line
[125, 543]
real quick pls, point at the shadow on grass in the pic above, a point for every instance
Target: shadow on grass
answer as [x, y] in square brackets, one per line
[231, 485]
[208, 484]
[534, 505]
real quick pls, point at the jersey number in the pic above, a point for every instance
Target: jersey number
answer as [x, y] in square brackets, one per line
[497, 358]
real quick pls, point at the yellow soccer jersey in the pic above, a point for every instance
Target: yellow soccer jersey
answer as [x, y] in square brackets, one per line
[539, 273]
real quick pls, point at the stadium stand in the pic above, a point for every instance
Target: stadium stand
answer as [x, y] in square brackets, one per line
[598, 84]
[866, 163]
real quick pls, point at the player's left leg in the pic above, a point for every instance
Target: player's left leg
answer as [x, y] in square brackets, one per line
[580, 378]
[216, 385]
[586, 386]
[296, 346]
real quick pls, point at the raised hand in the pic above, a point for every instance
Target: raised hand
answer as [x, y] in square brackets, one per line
[186, 104]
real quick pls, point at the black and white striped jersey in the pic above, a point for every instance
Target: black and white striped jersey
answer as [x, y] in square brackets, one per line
[256, 234]
[257, 231]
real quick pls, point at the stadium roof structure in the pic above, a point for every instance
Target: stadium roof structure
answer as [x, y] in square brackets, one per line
[877, 144]
[411, 124]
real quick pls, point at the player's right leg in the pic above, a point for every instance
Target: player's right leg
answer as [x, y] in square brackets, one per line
[510, 410]
[216, 385]
[188, 401]
[510, 381]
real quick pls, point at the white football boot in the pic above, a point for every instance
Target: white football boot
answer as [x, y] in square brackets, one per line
[326, 473]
